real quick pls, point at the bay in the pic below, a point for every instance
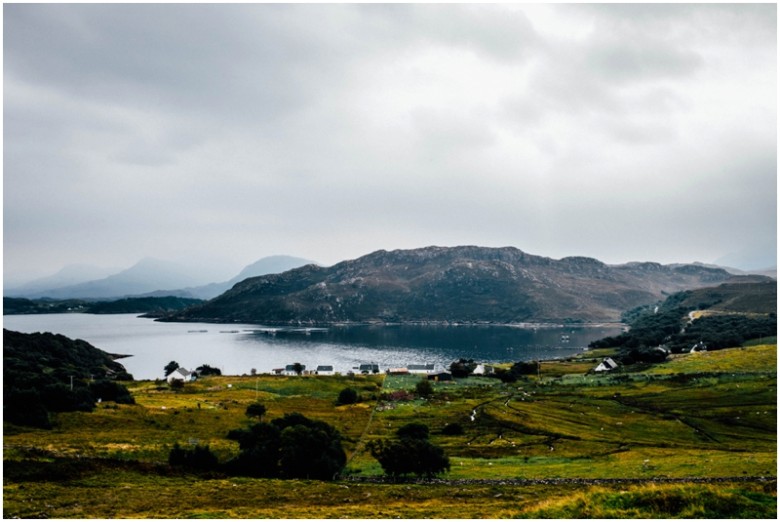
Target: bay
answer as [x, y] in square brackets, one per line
[238, 348]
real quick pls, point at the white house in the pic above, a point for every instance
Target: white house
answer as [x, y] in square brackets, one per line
[324, 370]
[290, 369]
[484, 369]
[181, 374]
[420, 368]
[606, 365]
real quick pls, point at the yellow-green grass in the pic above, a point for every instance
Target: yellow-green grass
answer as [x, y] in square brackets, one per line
[202, 413]
[704, 417]
[127, 493]
[760, 358]
[706, 501]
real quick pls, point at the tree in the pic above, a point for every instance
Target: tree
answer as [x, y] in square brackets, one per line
[412, 453]
[290, 447]
[424, 388]
[462, 367]
[171, 367]
[256, 409]
[347, 396]
[298, 368]
[206, 370]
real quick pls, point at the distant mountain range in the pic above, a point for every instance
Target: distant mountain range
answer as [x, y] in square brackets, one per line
[465, 284]
[149, 277]
[266, 265]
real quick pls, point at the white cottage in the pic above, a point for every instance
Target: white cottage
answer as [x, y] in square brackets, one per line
[606, 365]
[181, 374]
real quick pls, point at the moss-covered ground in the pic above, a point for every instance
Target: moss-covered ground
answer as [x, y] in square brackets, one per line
[706, 417]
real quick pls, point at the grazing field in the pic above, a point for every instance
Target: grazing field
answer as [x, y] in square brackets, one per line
[694, 437]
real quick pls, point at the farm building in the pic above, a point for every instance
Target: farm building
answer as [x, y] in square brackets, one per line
[290, 369]
[606, 365]
[369, 368]
[440, 376]
[484, 369]
[420, 368]
[181, 374]
[398, 371]
[324, 370]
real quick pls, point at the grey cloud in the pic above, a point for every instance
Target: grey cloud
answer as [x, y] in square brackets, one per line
[326, 131]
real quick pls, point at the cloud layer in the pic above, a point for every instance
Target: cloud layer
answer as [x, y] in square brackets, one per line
[219, 134]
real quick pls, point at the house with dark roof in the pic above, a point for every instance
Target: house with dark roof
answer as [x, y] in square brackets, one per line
[323, 369]
[606, 365]
[369, 368]
[181, 374]
[420, 368]
[290, 369]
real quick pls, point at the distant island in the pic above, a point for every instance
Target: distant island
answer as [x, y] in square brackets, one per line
[150, 306]
[466, 284]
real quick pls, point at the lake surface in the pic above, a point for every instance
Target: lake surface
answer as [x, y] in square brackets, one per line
[238, 348]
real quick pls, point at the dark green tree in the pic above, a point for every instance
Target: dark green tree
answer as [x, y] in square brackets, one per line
[424, 388]
[198, 458]
[462, 367]
[298, 368]
[206, 370]
[290, 447]
[256, 409]
[412, 453]
[347, 396]
[414, 430]
[171, 367]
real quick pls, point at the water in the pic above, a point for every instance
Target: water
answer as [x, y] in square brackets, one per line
[238, 348]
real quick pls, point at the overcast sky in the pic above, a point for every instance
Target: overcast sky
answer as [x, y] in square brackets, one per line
[220, 134]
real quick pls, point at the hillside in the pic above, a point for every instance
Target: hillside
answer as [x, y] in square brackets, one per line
[452, 284]
[717, 317]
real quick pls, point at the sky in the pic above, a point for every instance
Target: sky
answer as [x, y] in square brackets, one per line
[215, 135]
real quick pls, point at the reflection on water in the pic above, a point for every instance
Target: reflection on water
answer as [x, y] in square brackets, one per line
[237, 349]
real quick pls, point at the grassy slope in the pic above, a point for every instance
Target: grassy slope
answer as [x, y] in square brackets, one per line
[702, 415]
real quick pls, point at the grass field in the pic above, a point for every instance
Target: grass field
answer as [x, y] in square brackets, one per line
[709, 415]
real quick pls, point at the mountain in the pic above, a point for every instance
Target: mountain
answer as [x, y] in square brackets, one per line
[264, 266]
[67, 276]
[147, 275]
[452, 284]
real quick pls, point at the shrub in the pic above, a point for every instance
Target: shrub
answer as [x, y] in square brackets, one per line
[256, 409]
[347, 396]
[424, 388]
[198, 458]
[452, 429]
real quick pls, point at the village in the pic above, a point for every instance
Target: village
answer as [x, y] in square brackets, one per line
[432, 371]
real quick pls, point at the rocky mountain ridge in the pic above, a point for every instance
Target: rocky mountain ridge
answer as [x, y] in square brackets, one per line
[466, 284]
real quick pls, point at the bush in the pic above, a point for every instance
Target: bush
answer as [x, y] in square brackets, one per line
[111, 391]
[199, 458]
[452, 429]
[347, 396]
[424, 388]
[256, 409]
[415, 430]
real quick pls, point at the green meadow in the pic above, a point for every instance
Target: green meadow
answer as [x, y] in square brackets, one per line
[693, 437]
